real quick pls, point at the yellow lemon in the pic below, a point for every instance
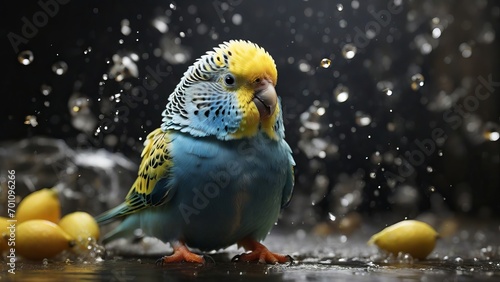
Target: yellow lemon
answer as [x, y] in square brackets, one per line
[41, 204]
[409, 236]
[4, 234]
[38, 239]
[80, 225]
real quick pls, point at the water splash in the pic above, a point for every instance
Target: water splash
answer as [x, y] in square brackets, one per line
[82, 117]
[173, 51]
[124, 66]
[31, 120]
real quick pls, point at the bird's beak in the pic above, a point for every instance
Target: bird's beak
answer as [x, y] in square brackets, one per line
[265, 98]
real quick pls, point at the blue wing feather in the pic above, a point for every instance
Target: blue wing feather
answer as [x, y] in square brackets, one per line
[290, 180]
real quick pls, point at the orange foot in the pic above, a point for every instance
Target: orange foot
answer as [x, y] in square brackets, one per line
[259, 253]
[181, 253]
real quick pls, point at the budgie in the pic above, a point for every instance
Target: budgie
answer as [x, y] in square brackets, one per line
[218, 171]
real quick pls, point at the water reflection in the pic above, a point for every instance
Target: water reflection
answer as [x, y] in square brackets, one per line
[327, 269]
[145, 269]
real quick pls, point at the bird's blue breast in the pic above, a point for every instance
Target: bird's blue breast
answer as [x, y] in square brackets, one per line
[225, 190]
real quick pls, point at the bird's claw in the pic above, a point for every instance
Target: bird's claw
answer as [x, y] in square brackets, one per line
[160, 261]
[181, 254]
[290, 259]
[210, 258]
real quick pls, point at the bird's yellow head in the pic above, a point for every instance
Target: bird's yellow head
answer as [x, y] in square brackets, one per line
[229, 91]
[252, 76]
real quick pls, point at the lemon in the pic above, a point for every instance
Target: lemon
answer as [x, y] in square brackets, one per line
[409, 236]
[3, 234]
[80, 225]
[41, 204]
[38, 239]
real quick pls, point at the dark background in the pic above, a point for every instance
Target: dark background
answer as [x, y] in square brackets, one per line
[363, 168]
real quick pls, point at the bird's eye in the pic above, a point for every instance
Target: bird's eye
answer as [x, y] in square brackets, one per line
[229, 80]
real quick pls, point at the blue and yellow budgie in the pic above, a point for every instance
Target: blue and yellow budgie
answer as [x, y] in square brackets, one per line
[218, 171]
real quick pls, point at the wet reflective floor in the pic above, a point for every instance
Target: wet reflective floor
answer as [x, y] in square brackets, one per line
[471, 255]
[145, 269]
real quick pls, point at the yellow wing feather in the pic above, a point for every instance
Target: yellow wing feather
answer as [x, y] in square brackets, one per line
[154, 169]
[155, 165]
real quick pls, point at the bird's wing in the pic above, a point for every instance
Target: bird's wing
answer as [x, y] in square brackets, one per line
[153, 184]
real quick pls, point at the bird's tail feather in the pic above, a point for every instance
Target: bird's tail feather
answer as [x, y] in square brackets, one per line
[124, 230]
[112, 214]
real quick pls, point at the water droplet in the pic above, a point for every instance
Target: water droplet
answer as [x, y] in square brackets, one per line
[349, 51]
[202, 28]
[430, 169]
[60, 67]
[340, 7]
[387, 91]
[373, 175]
[301, 234]
[125, 27]
[78, 104]
[341, 93]
[31, 120]
[391, 126]
[115, 97]
[325, 63]
[436, 32]
[363, 119]
[308, 12]
[492, 136]
[385, 86]
[417, 81]
[424, 43]
[25, 57]
[45, 89]
[160, 23]
[343, 23]
[304, 66]
[465, 49]
[331, 216]
[487, 34]
[491, 131]
[237, 19]
[376, 158]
